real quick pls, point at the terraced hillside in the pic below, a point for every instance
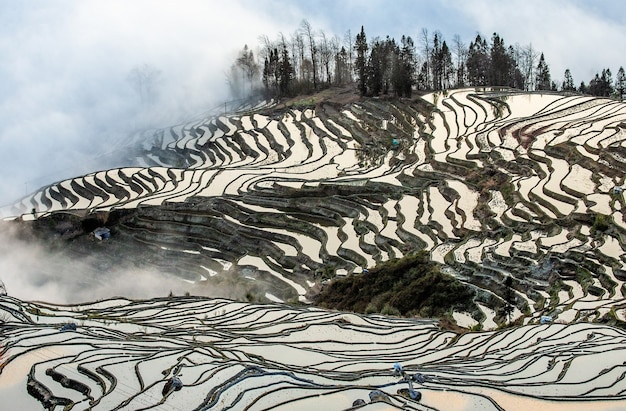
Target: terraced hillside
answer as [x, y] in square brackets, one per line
[493, 183]
[190, 353]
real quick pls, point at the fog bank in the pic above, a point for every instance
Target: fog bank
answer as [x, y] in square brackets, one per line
[67, 96]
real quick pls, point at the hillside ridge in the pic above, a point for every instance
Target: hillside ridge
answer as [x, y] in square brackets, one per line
[272, 201]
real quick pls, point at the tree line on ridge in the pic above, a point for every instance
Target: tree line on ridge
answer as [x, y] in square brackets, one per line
[310, 61]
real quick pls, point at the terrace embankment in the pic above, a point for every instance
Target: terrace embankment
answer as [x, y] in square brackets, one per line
[219, 354]
[491, 184]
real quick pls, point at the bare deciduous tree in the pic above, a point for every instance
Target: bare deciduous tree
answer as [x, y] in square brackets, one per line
[460, 53]
[310, 36]
[325, 55]
[527, 64]
[425, 41]
[144, 79]
[299, 43]
[349, 46]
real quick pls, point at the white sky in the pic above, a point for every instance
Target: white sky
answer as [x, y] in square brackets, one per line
[64, 97]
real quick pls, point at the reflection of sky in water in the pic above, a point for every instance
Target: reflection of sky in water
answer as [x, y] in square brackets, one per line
[285, 357]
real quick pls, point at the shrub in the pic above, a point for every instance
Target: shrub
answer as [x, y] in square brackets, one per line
[390, 310]
[477, 327]
[412, 284]
[601, 223]
[371, 308]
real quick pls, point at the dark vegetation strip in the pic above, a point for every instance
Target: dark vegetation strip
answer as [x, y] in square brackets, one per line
[409, 286]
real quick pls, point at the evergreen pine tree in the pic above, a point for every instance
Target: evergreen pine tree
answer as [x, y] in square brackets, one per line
[447, 67]
[436, 64]
[542, 78]
[375, 75]
[568, 82]
[285, 72]
[478, 62]
[607, 82]
[407, 58]
[620, 82]
[602, 85]
[360, 64]
[515, 76]
[500, 66]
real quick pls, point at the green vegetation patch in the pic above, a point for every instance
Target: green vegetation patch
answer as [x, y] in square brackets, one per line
[601, 223]
[409, 286]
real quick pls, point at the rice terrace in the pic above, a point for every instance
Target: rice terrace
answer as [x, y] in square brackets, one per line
[493, 183]
[439, 248]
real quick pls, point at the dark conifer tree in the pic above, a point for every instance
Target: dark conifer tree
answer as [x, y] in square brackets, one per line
[266, 74]
[595, 86]
[380, 66]
[285, 72]
[447, 67]
[360, 63]
[390, 48]
[270, 73]
[620, 82]
[542, 77]
[568, 81]
[478, 62]
[607, 82]
[441, 63]
[500, 67]
[275, 66]
[397, 72]
[515, 77]
[407, 58]
[376, 65]
[601, 85]
[436, 64]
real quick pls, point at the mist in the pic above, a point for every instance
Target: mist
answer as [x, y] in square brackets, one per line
[29, 271]
[66, 100]
[36, 269]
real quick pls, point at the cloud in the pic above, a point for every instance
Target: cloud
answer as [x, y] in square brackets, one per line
[32, 272]
[577, 35]
[46, 268]
[582, 35]
[65, 98]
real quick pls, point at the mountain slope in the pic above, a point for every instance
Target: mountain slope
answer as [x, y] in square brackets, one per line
[518, 196]
[123, 354]
[492, 183]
